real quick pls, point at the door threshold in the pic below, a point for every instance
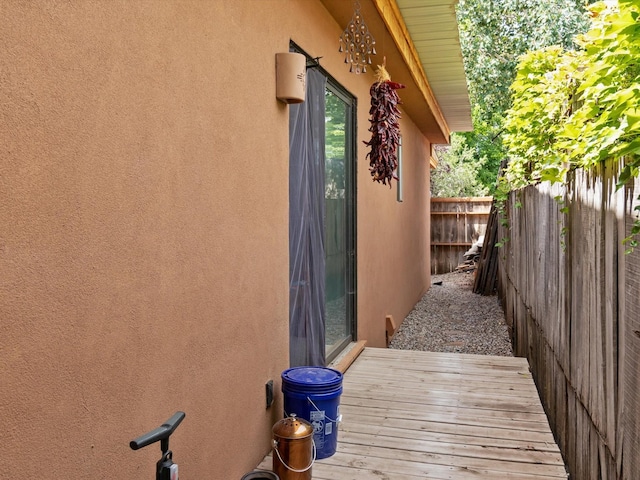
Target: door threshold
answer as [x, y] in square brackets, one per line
[343, 361]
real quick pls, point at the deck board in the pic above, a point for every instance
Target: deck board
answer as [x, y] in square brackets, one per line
[426, 415]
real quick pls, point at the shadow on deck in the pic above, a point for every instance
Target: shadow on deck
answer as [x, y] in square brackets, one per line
[425, 415]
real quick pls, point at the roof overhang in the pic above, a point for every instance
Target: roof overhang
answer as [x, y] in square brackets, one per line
[420, 41]
[433, 27]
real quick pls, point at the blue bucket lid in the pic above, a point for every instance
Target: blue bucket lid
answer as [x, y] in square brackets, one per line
[311, 378]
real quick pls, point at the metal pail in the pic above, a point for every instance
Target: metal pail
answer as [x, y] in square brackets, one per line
[293, 448]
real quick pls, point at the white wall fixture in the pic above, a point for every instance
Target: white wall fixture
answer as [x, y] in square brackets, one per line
[291, 76]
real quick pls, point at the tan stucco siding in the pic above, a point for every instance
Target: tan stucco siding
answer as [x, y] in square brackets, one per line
[144, 229]
[144, 233]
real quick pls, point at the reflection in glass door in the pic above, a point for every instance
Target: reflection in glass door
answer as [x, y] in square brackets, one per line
[339, 222]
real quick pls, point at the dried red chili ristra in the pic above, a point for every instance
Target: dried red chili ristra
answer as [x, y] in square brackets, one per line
[385, 130]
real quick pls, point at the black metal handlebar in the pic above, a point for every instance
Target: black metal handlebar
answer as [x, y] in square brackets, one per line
[162, 433]
[165, 468]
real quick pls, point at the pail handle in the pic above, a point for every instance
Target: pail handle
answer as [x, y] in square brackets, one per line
[313, 459]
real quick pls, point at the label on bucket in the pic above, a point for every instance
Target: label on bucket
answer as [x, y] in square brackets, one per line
[317, 421]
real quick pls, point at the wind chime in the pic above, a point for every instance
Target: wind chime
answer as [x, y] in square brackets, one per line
[357, 43]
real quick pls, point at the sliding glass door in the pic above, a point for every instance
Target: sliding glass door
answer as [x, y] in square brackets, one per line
[321, 221]
[339, 221]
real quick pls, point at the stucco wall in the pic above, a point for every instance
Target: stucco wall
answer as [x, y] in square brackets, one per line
[393, 239]
[144, 230]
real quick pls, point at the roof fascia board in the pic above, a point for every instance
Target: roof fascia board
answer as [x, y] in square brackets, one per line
[433, 158]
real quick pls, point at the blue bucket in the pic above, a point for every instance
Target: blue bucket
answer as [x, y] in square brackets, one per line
[313, 393]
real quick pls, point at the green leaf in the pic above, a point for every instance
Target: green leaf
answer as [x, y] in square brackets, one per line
[627, 172]
[632, 148]
[633, 119]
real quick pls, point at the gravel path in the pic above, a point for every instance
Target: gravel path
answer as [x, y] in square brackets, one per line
[451, 318]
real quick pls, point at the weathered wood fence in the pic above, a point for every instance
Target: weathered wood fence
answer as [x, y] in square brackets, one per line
[455, 224]
[572, 299]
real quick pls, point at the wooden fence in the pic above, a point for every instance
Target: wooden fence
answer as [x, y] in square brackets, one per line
[572, 299]
[455, 224]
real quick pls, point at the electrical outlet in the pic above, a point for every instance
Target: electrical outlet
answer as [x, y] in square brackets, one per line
[269, 392]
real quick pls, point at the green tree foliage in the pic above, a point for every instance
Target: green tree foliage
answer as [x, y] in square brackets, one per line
[486, 144]
[456, 174]
[544, 95]
[577, 109]
[493, 35]
[335, 131]
[607, 124]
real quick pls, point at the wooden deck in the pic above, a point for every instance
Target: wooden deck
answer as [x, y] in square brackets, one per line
[423, 415]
